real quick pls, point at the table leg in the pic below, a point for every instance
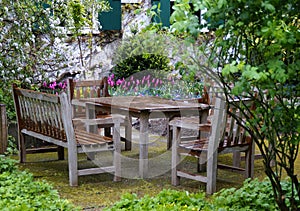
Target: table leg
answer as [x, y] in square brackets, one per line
[144, 140]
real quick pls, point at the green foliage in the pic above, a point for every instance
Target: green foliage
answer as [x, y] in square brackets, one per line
[165, 200]
[19, 191]
[144, 51]
[7, 165]
[78, 16]
[253, 195]
[11, 146]
[256, 47]
[183, 20]
[138, 63]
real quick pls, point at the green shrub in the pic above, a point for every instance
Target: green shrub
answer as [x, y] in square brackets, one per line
[165, 200]
[143, 51]
[138, 63]
[253, 195]
[7, 165]
[19, 191]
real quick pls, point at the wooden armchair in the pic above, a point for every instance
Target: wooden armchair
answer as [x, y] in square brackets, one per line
[223, 135]
[95, 89]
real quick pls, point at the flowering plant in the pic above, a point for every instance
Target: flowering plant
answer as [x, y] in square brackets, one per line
[170, 88]
[53, 87]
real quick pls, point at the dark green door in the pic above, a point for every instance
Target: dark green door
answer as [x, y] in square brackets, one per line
[164, 15]
[111, 20]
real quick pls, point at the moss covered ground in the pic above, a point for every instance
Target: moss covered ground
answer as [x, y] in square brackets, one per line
[97, 191]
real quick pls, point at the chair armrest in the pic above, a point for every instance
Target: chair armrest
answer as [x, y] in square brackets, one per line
[76, 102]
[109, 119]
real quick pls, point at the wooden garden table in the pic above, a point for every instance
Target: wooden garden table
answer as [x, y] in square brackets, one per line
[145, 108]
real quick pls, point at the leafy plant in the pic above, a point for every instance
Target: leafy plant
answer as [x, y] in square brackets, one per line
[11, 146]
[165, 200]
[7, 165]
[144, 51]
[19, 191]
[253, 195]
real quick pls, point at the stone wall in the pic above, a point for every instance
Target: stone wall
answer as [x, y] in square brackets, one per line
[96, 59]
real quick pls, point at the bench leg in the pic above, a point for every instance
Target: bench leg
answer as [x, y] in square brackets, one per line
[22, 148]
[60, 153]
[73, 166]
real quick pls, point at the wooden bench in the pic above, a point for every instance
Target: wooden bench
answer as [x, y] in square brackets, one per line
[48, 118]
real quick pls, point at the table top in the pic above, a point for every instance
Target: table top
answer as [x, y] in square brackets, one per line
[145, 103]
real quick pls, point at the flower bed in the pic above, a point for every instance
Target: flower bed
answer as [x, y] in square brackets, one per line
[169, 87]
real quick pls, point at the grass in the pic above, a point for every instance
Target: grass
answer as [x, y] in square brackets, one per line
[97, 191]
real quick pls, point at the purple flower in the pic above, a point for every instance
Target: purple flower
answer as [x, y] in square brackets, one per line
[64, 85]
[44, 84]
[111, 83]
[119, 82]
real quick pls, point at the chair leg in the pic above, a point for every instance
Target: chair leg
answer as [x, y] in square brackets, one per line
[175, 156]
[249, 167]
[211, 173]
[236, 159]
[117, 152]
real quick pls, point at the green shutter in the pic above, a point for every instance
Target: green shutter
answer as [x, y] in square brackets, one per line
[165, 10]
[111, 20]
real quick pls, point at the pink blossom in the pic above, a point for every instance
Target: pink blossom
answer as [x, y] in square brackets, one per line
[119, 82]
[44, 84]
[111, 83]
[64, 85]
[137, 81]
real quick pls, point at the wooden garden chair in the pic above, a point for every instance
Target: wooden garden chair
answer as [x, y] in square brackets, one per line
[223, 135]
[95, 89]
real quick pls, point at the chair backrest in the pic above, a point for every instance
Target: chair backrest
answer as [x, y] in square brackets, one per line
[232, 121]
[85, 89]
[88, 88]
